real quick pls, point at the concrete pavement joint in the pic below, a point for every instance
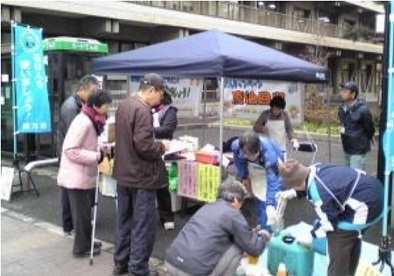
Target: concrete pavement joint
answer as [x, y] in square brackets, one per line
[49, 227]
[34, 241]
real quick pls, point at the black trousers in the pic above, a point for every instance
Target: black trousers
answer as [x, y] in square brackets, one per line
[80, 203]
[136, 223]
[66, 209]
[344, 249]
[164, 205]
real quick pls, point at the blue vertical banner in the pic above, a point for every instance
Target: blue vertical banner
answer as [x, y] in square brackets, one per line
[30, 80]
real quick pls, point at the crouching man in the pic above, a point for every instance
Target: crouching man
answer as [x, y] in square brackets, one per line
[347, 202]
[214, 239]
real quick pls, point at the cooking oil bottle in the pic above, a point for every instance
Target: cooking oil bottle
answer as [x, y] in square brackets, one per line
[282, 270]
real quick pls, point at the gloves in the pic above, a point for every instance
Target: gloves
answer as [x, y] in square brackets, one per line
[318, 245]
[265, 235]
[306, 240]
[271, 215]
[295, 144]
[288, 194]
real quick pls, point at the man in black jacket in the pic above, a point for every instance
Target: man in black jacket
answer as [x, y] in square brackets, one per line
[214, 239]
[357, 127]
[69, 110]
[165, 121]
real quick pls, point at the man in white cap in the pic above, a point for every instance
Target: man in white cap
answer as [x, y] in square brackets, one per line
[347, 201]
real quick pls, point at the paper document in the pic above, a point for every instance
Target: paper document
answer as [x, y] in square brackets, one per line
[176, 146]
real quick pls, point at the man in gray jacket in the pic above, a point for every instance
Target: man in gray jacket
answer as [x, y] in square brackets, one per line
[214, 239]
[69, 110]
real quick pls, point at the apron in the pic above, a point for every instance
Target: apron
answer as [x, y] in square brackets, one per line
[259, 181]
[277, 132]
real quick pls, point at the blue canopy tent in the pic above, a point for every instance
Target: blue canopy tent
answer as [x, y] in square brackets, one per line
[211, 54]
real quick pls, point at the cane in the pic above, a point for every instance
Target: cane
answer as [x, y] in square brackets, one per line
[94, 217]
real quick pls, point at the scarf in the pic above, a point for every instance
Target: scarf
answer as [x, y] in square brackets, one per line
[162, 111]
[98, 120]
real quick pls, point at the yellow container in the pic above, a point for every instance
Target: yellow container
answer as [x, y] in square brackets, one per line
[252, 260]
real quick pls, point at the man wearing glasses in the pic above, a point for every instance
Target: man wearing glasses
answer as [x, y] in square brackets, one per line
[256, 162]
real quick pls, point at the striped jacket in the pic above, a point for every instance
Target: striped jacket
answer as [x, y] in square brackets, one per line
[343, 198]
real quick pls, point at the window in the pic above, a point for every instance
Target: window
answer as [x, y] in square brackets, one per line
[348, 24]
[301, 13]
[211, 92]
[301, 19]
[326, 17]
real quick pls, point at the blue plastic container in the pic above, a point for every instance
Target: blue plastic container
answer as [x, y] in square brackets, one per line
[284, 249]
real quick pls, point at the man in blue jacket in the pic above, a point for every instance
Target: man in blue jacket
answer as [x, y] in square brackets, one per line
[357, 127]
[214, 239]
[347, 201]
[252, 149]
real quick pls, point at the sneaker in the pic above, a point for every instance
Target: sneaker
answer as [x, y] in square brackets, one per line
[169, 225]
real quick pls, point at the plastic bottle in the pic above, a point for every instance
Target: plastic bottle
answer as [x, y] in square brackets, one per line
[282, 270]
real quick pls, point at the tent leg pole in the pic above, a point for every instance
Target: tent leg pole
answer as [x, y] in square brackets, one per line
[221, 127]
[204, 114]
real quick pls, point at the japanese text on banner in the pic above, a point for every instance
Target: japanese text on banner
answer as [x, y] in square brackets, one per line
[33, 113]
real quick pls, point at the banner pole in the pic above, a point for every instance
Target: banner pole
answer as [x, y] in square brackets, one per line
[389, 123]
[13, 82]
[384, 253]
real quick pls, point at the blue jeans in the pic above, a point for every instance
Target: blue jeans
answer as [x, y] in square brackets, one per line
[355, 161]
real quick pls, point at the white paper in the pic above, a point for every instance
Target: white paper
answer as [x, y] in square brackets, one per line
[176, 146]
[208, 148]
[225, 161]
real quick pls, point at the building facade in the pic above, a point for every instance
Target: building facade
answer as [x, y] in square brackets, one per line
[337, 34]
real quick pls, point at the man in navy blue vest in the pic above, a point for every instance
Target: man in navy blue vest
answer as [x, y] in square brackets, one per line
[347, 202]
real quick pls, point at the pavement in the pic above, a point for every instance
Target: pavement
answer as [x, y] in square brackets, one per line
[33, 242]
[33, 247]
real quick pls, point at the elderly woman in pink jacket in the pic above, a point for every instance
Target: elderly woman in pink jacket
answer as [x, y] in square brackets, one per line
[79, 165]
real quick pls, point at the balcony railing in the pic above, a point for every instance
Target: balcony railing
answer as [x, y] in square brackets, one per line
[234, 11]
